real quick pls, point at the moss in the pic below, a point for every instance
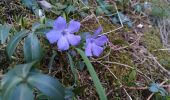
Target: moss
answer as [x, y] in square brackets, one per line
[152, 42]
[122, 57]
[116, 56]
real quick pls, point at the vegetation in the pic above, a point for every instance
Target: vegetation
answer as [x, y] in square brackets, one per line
[84, 49]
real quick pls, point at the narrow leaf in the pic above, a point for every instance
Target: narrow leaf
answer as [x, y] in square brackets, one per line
[32, 48]
[22, 92]
[13, 43]
[47, 85]
[29, 3]
[4, 32]
[13, 78]
[9, 86]
[72, 67]
[50, 65]
[8, 77]
[23, 70]
[99, 88]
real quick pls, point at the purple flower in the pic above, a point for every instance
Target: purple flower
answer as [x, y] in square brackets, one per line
[94, 43]
[63, 33]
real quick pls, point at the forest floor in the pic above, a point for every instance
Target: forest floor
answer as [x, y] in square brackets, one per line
[134, 57]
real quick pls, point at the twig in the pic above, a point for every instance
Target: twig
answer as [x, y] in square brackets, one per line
[117, 63]
[160, 66]
[143, 88]
[119, 19]
[130, 98]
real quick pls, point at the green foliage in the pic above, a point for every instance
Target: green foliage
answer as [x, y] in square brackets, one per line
[33, 5]
[66, 6]
[25, 82]
[22, 92]
[13, 43]
[50, 65]
[131, 77]
[103, 6]
[119, 17]
[100, 90]
[138, 8]
[46, 84]
[29, 3]
[20, 82]
[155, 88]
[4, 32]
[160, 9]
[73, 69]
[32, 48]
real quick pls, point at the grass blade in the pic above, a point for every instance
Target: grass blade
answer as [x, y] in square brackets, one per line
[72, 67]
[99, 88]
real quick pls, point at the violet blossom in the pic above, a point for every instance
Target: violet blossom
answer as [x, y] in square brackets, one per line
[62, 34]
[95, 43]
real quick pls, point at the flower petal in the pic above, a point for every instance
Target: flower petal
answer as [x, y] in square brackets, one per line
[73, 26]
[53, 36]
[60, 24]
[63, 43]
[73, 39]
[97, 32]
[88, 40]
[100, 41]
[88, 50]
[97, 50]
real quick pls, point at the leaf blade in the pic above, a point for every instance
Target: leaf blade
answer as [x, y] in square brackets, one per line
[4, 32]
[32, 49]
[14, 42]
[100, 90]
[22, 92]
[8, 87]
[47, 85]
[22, 70]
[72, 67]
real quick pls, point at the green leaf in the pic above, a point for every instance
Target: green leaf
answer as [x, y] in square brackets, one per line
[4, 32]
[162, 91]
[72, 67]
[69, 94]
[47, 85]
[23, 70]
[29, 3]
[138, 8]
[8, 77]
[99, 88]
[71, 9]
[154, 87]
[132, 75]
[50, 65]
[35, 26]
[32, 48]
[41, 96]
[22, 92]
[14, 42]
[103, 6]
[99, 11]
[80, 65]
[13, 78]
[9, 86]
